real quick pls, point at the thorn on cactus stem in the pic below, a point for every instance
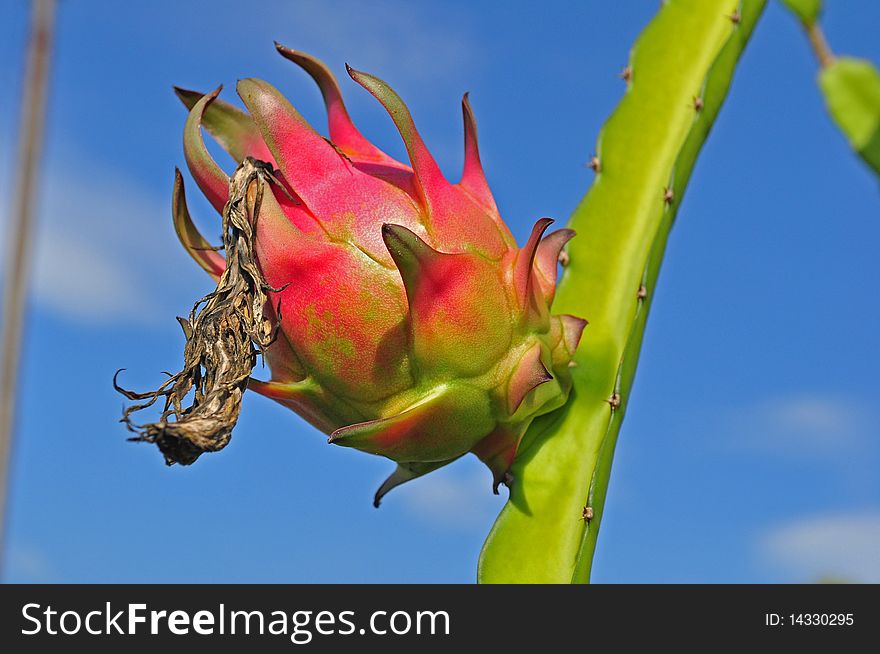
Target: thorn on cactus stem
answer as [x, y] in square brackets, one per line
[594, 164]
[643, 292]
[735, 18]
[614, 401]
[626, 74]
[668, 195]
[564, 258]
[698, 103]
[587, 514]
[572, 364]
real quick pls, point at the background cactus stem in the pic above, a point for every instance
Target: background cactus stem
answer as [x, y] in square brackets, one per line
[225, 332]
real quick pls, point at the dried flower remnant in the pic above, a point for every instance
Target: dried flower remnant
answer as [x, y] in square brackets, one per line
[226, 331]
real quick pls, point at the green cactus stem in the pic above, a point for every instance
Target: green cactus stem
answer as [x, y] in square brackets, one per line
[679, 73]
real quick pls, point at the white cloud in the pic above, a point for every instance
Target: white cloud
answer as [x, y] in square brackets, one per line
[805, 425]
[104, 252]
[453, 499]
[817, 420]
[837, 545]
[28, 565]
[78, 280]
[391, 36]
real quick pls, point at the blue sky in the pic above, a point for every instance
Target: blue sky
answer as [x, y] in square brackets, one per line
[751, 446]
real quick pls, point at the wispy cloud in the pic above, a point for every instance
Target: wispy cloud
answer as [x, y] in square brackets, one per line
[840, 545]
[453, 499]
[82, 282]
[805, 425]
[391, 36]
[104, 249]
[26, 564]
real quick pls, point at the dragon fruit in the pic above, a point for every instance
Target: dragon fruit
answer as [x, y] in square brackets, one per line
[409, 324]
